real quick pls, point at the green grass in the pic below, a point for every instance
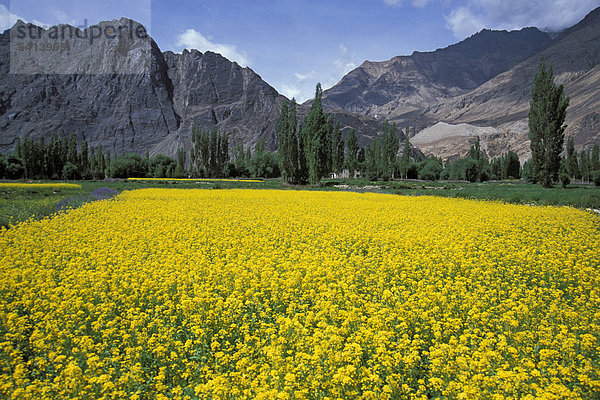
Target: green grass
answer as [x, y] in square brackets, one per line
[579, 196]
[21, 204]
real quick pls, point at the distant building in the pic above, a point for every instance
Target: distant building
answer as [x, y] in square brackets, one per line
[345, 174]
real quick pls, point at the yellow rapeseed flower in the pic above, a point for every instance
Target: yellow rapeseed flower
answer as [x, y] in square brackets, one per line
[185, 294]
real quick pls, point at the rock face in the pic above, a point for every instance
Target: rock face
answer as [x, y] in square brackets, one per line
[211, 91]
[121, 112]
[138, 104]
[409, 83]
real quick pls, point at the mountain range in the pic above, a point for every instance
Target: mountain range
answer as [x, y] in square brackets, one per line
[481, 87]
[151, 109]
[478, 87]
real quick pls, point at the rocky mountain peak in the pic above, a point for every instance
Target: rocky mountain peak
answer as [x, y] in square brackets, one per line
[117, 46]
[406, 83]
[502, 103]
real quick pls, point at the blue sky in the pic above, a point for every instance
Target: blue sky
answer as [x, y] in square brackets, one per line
[295, 44]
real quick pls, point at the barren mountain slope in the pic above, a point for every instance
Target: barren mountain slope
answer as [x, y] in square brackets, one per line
[503, 102]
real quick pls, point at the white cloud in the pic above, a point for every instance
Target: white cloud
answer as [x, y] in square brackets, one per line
[192, 39]
[345, 62]
[552, 15]
[462, 22]
[399, 3]
[8, 19]
[301, 85]
[420, 3]
[344, 67]
[306, 76]
[290, 91]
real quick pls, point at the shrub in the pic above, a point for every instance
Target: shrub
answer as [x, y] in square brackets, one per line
[471, 170]
[413, 171]
[14, 167]
[264, 165]
[528, 173]
[129, 166]
[596, 177]
[160, 165]
[564, 179]
[431, 170]
[445, 175]
[71, 171]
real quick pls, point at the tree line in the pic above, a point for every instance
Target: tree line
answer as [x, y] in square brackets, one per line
[583, 166]
[58, 159]
[71, 159]
[210, 157]
[315, 148]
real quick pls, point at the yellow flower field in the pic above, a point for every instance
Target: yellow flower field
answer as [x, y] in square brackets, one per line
[196, 180]
[225, 294]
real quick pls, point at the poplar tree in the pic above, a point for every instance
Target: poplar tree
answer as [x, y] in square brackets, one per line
[548, 109]
[181, 160]
[84, 163]
[352, 156]
[337, 149]
[374, 160]
[214, 153]
[108, 163]
[327, 143]
[72, 156]
[405, 154]
[302, 173]
[93, 163]
[282, 141]
[223, 154]
[239, 158]
[18, 148]
[289, 162]
[296, 173]
[512, 166]
[572, 163]
[102, 162]
[390, 145]
[595, 161]
[315, 137]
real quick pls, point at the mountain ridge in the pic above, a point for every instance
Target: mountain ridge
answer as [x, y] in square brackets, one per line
[481, 82]
[151, 110]
[407, 83]
[498, 107]
[503, 101]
